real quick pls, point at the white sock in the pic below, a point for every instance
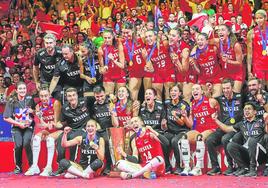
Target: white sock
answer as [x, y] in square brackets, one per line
[87, 172]
[75, 171]
[200, 152]
[36, 149]
[154, 163]
[126, 166]
[50, 150]
[185, 152]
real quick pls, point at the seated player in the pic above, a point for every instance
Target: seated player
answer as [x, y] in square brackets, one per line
[147, 149]
[48, 111]
[91, 153]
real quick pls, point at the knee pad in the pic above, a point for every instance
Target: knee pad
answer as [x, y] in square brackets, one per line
[50, 142]
[95, 165]
[65, 164]
[36, 141]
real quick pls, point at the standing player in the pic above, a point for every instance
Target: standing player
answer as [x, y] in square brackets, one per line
[231, 56]
[18, 112]
[179, 52]
[91, 153]
[231, 106]
[146, 148]
[257, 48]
[45, 61]
[206, 64]
[203, 126]
[157, 54]
[133, 53]
[111, 59]
[48, 112]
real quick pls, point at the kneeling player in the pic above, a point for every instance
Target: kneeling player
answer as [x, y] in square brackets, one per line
[147, 149]
[91, 156]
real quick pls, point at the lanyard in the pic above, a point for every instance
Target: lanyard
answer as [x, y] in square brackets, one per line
[231, 112]
[130, 53]
[198, 52]
[92, 67]
[221, 46]
[151, 52]
[249, 129]
[106, 56]
[95, 140]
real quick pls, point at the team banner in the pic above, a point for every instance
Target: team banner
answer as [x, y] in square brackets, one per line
[51, 28]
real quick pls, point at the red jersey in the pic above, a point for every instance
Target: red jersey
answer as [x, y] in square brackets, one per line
[136, 69]
[161, 60]
[114, 72]
[123, 114]
[232, 71]
[47, 113]
[148, 148]
[210, 70]
[202, 112]
[259, 61]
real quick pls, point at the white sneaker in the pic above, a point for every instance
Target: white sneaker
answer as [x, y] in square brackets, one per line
[185, 171]
[32, 171]
[195, 172]
[125, 176]
[46, 172]
[70, 176]
[87, 175]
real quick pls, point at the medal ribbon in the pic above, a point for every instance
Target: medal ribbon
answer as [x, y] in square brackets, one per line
[151, 52]
[106, 56]
[249, 128]
[92, 67]
[221, 46]
[231, 112]
[264, 41]
[130, 53]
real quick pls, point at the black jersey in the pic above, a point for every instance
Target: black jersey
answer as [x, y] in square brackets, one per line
[87, 153]
[47, 63]
[260, 107]
[19, 110]
[254, 129]
[102, 115]
[75, 118]
[69, 73]
[230, 109]
[155, 117]
[172, 124]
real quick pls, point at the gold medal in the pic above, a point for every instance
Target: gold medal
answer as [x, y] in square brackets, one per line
[264, 52]
[94, 80]
[130, 63]
[232, 120]
[183, 107]
[91, 143]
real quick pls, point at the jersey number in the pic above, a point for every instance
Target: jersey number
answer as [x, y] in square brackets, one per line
[89, 159]
[209, 70]
[148, 156]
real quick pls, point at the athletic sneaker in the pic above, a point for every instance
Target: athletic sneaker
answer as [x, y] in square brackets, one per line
[178, 171]
[230, 170]
[57, 172]
[195, 172]
[185, 171]
[242, 172]
[46, 172]
[251, 173]
[125, 176]
[149, 175]
[265, 172]
[214, 171]
[70, 176]
[32, 171]
[17, 170]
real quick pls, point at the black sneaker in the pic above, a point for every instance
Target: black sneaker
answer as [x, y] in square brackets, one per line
[251, 173]
[230, 170]
[57, 172]
[106, 171]
[242, 172]
[214, 171]
[17, 170]
[265, 172]
[177, 171]
[168, 169]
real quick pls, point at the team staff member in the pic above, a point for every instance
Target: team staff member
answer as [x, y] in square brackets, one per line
[146, 148]
[91, 153]
[67, 71]
[101, 113]
[112, 62]
[18, 112]
[153, 114]
[74, 114]
[46, 60]
[206, 64]
[90, 73]
[157, 55]
[202, 126]
[176, 125]
[257, 95]
[231, 107]
[48, 113]
[133, 46]
[257, 48]
[250, 153]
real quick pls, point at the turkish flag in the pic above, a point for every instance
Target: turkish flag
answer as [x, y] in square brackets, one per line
[199, 22]
[51, 28]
